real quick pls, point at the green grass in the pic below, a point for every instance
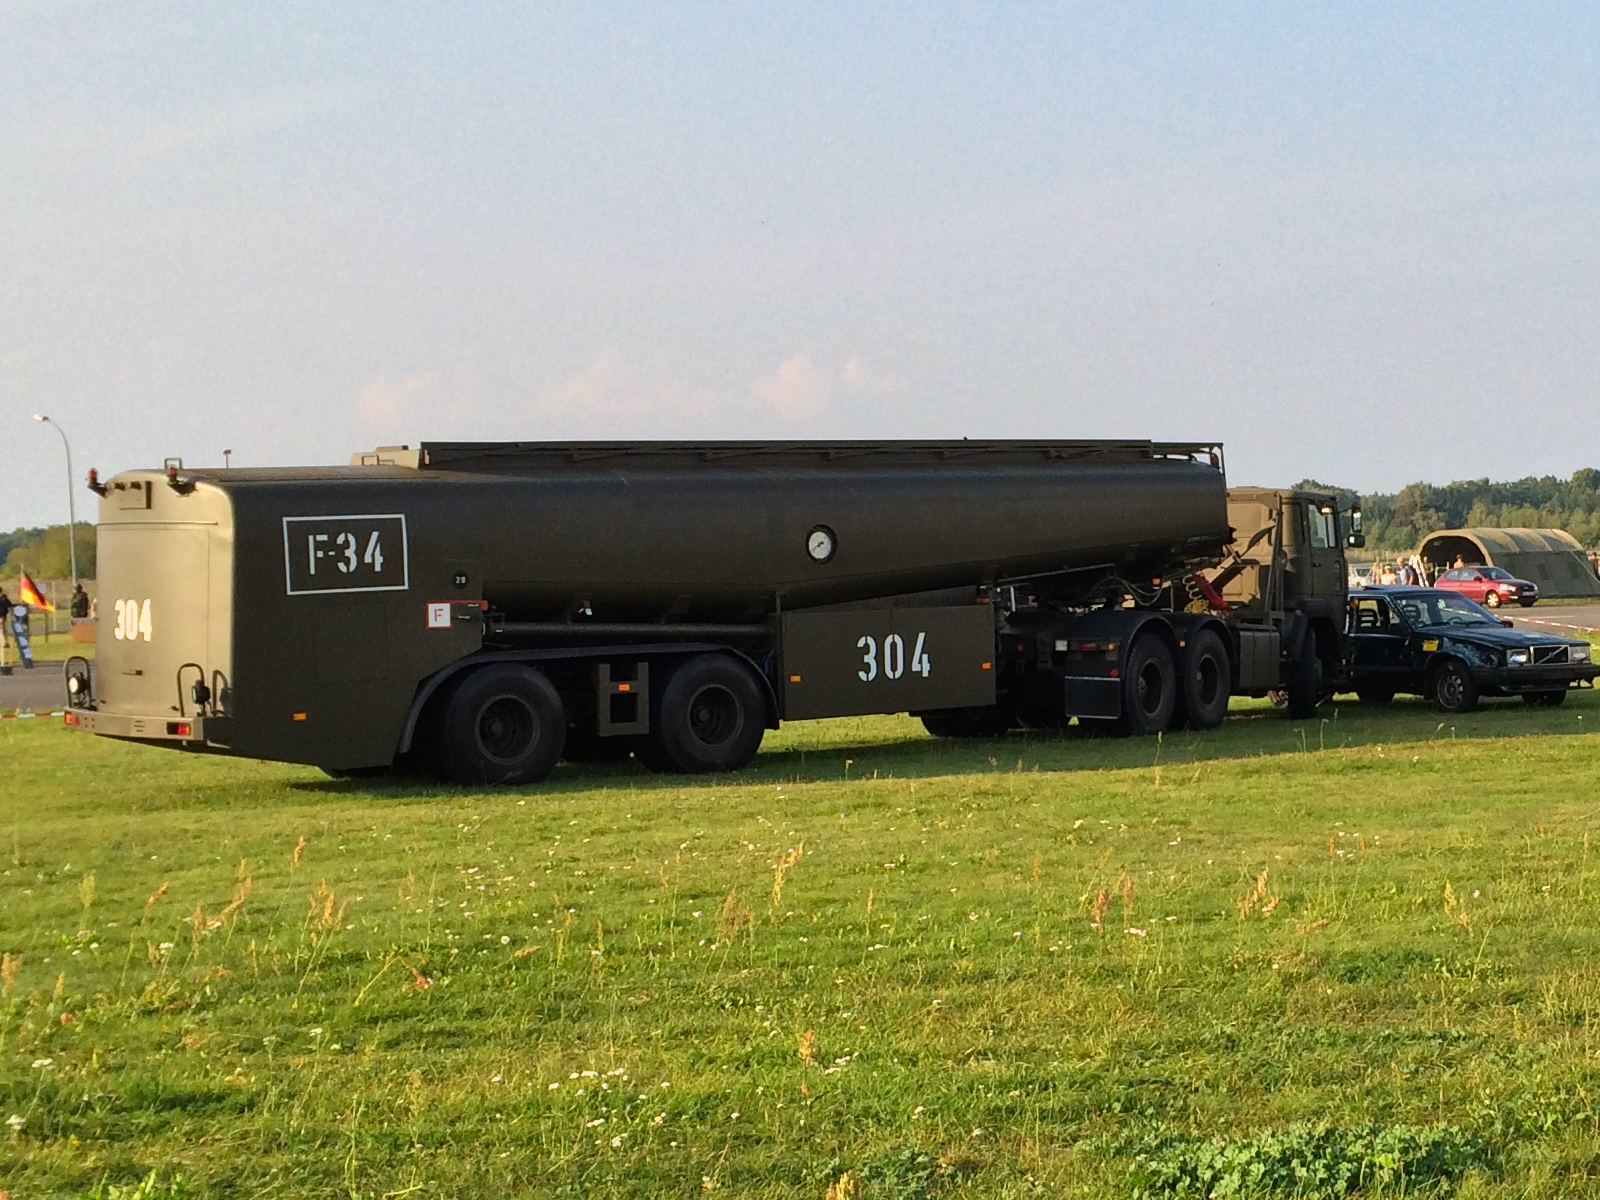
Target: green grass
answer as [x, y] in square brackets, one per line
[1351, 955]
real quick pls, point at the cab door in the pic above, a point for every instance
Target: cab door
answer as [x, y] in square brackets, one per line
[1325, 549]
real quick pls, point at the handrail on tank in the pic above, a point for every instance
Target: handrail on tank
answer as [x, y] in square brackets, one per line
[464, 455]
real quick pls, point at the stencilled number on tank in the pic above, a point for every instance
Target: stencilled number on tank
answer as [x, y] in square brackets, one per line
[869, 669]
[365, 553]
[893, 657]
[133, 620]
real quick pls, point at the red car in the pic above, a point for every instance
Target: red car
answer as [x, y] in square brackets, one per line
[1492, 586]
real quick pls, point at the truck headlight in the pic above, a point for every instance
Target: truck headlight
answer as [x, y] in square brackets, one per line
[1516, 658]
[1580, 653]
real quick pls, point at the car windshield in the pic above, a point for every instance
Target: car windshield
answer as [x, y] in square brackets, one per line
[1496, 573]
[1442, 608]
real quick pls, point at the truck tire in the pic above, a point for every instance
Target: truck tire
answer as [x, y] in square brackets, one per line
[987, 721]
[710, 716]
[502, 724]
[1203, 690]
[1551, 699]
[1452, 688]
[1305, 679]
[1149, 688]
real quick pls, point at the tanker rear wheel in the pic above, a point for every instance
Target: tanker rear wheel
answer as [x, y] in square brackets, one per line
[988, 721]
[502, 724]
[710, 716]
[1206, 675]
[1149, 688]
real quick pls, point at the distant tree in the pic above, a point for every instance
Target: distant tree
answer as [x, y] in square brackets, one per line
[49, 555]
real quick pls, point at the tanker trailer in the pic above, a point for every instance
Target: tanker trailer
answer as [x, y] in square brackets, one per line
[481, 611]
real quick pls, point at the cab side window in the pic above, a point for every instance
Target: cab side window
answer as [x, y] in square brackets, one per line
[1322, 531]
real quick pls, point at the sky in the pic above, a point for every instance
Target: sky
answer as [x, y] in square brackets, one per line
[1353, 242]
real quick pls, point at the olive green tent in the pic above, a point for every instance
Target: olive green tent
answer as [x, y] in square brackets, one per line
[1551, 558]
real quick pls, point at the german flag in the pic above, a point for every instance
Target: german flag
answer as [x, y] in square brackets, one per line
[30, 595]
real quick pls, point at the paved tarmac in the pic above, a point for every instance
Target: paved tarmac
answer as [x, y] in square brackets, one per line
[38, 690]
[1556, 618]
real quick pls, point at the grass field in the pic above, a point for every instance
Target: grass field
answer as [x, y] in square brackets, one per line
[1357, 954]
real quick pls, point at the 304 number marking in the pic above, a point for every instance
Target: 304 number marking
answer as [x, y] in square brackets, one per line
[133, 620]
[893, 658]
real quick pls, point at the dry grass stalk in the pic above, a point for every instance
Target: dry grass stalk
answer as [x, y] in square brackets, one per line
[785, 865]
[732, 917]
[86, 890]
[299, 849]
[1127, 895]
[61, 986]
[844, 1189]
[809, 1054]
[155, 898]
[1097, 911]
[10, 964]
[324, 911]
[1250, 900]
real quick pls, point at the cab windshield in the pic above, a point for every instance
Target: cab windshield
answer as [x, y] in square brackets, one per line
[1443, 608]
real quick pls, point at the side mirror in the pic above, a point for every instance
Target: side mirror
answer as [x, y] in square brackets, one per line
[1355, 540]
[1508, 622]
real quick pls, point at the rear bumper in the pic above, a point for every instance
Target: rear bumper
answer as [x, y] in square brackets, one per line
[191, 732]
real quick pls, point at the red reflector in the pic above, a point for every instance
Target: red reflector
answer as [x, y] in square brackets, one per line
[1115, 673]
[179, 728]
[71, 718]
[1088, 647]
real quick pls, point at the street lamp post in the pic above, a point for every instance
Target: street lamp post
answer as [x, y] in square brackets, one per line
[72, 507]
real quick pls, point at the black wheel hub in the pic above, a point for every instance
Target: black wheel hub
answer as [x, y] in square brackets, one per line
[507, 728]
[714, 715]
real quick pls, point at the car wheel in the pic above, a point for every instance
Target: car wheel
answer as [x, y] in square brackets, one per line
[1492, 599]
[1149, 688]
[500, 724]
[1305, 679]
[711, 716]
[1551, 699]
[1375, 695]
[1206, 679]
[1452, 688]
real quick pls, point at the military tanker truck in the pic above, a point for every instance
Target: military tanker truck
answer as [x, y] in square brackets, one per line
[481, 611]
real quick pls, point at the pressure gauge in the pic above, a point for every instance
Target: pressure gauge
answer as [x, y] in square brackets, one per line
[820, 544]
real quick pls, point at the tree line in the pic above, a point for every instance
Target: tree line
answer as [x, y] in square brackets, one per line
[1399, 521]
[44, 552]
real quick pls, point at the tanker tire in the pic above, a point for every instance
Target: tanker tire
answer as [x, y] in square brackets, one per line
[1305, 680]
[1149, 688]
[1550, 699]
[1203, 694]
[710, 717]
[501, 724]
[985, 721]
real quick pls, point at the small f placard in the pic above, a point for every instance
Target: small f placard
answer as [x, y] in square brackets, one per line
[439, 615]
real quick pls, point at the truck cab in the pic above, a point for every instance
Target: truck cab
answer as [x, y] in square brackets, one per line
[1284, 583]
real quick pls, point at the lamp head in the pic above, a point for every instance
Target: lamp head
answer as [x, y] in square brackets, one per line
[40, 417]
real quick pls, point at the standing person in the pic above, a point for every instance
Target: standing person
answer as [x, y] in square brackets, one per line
[1407, 576]
[5, 617]
[80, 602]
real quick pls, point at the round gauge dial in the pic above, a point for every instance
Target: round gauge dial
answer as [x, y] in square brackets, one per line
[820, 544]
